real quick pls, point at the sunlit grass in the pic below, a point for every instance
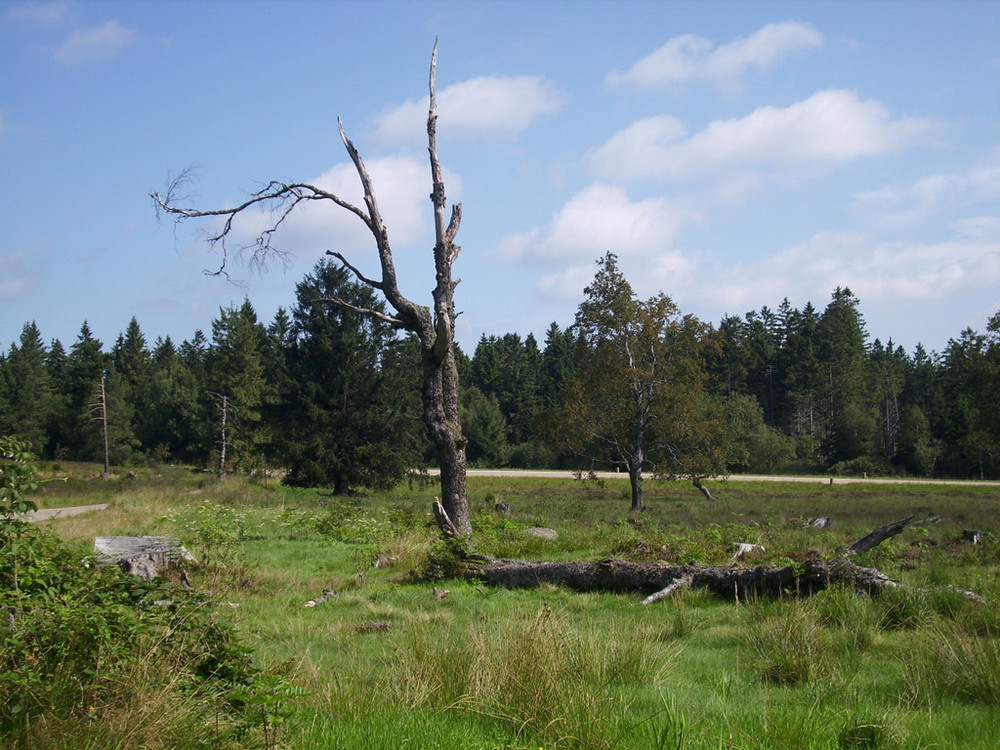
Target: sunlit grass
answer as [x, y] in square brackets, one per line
[492, 668]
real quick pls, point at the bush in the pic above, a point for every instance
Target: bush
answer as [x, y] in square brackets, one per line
[74, 637]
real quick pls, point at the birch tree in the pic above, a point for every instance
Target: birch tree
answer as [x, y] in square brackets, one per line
[638, 400]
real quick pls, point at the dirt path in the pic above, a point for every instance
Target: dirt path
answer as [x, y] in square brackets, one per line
[46, 514]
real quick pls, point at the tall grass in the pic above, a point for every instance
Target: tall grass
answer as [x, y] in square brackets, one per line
[487, 669]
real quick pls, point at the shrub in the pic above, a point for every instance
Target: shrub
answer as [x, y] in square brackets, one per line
[74, 637]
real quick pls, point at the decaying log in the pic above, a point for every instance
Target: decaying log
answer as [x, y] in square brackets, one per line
[326, 595]
[659, 581]
[623, 576]
[445, 524]
[973, 536]
[681, 583]
[144, 556]
[878, 536]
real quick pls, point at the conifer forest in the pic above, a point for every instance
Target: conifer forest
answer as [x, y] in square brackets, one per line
[325, 397]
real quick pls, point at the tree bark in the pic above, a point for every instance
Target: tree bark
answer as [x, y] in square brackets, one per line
[878, 536]
[622, 576]
[658, 581]
[635, 482]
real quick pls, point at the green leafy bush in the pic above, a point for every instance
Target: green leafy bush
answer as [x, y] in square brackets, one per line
[17, 476]
[74, 636]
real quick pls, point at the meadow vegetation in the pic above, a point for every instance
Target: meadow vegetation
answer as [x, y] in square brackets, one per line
[385, 663]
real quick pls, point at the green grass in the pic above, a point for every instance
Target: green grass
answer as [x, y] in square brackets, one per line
[550, 668]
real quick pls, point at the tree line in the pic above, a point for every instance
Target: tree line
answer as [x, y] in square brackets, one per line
[331, 397]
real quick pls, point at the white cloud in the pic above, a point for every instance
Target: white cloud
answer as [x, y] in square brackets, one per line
[829, 126]
[488, 105]
[983, 228]
[15, 276]
[878, 271]
[648, 273]
[601, 218]
[690, 56]
[97, 43]
[931, 195]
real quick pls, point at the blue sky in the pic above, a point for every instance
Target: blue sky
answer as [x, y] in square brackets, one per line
[731, 153]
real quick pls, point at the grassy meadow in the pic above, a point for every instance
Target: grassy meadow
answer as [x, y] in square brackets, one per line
[385, 663]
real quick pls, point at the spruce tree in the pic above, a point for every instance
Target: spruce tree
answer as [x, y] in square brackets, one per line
[28, 389]
[236, 378]
[351, 419]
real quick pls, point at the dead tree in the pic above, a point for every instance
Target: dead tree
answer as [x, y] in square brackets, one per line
[434, 326]
[658, 581]
[224, 417]
[100, 411]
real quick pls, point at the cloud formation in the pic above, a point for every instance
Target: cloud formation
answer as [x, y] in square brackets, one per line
[830, 126]
[931, 195]
[95, 43]
[600, 218]
[690, 56]
[487, 105]
[876, 269]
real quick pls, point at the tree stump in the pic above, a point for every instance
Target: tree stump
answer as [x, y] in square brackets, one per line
[144, 556]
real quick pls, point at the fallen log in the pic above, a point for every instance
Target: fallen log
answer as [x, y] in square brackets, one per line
[624, 576]
[659, 581]
[878, 536]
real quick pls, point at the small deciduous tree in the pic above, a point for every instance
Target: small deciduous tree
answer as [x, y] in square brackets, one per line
[638, 399]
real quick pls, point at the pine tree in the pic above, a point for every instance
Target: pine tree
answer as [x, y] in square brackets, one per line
[86, 365]
[175, 425]
[132, 361]
[58, 427]
[236, 376]
[351, 420]
[29, 394]
[848, 424]
[558, 367]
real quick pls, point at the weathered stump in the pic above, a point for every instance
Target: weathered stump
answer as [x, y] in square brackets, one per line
[144, 556]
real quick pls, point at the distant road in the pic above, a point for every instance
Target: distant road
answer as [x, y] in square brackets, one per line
[731, 478]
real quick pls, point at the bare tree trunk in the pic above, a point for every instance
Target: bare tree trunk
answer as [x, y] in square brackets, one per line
[104, 425]
[434, 327]
[635, 480]
[441, 415]
[222, 439]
